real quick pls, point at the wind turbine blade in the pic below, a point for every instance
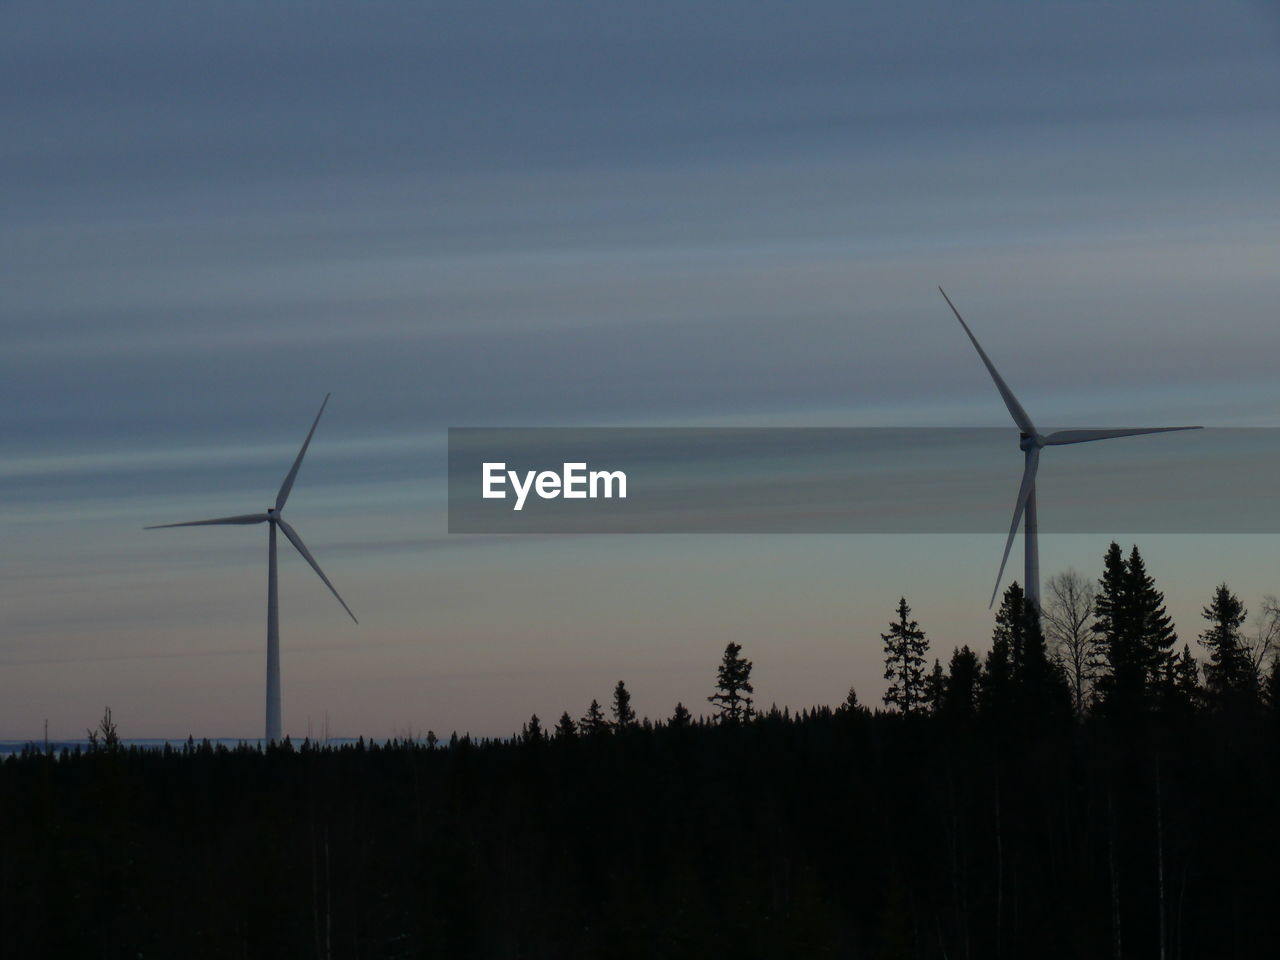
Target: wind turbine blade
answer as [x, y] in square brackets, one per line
[243, 518]
[1010, 401]
[1084, 436]
[285, 487]
[296, 540]
[1024, 493]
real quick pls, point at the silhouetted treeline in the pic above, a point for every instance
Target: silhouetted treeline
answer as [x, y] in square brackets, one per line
[985, 817]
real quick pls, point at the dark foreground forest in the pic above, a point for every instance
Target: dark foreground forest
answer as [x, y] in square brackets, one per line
[995, 811]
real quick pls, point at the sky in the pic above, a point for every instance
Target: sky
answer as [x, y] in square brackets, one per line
[581, 214]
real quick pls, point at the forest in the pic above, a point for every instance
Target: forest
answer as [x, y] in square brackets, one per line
[1090, 786]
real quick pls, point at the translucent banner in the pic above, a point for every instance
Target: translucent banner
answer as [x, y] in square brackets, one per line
[855, 480]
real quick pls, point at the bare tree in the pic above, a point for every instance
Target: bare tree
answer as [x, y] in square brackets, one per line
[1067, 617]
[1264, 636]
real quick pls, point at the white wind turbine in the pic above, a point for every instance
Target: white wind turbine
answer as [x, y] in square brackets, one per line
[273, 519]
[1031, 441]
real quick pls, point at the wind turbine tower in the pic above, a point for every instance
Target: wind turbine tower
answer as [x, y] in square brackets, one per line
[274, 520]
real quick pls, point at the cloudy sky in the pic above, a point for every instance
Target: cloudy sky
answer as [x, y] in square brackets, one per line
[513, 213]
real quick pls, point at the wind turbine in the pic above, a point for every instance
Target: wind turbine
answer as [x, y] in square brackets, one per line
[1031, 442]
[273, 519]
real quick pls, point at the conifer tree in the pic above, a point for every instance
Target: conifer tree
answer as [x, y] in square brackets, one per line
[935, 685]
[1135, 635]
[964, 678]
[905, 647]
[1229, 675]
[593, 722]
[531, 732]
[623, 715]
[1156, 635]
[680, 717]
[1019, 628]
[733, 686]
[996, 689]
[1119, 679]
[106, 736]
[1185, 687]
[1037, 686]
[850, 702]
[566, 729]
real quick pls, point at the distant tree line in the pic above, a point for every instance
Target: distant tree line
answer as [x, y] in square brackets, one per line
[1084, 788]
[1109, 650]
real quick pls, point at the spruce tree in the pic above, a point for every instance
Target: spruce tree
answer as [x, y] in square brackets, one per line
[680, 717]
[1155, 636]
[1119, 682]
[995, 691]
[1229, 674]
[623, 715]
[566, 729]
[849, 707]
[106, 737]
[1018, 624]
[1137, 667]
[964, 679]
[1037, 686]
[905, 647]
[593, 722]
[733, 686]
[935, 687]
[1185, 688]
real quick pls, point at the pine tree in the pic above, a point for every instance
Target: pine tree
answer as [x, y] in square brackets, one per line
[1229, 674]
[905, 647]
[593, 722]
[566, 729]
[733, 686]
[623, 715]
[680, 717]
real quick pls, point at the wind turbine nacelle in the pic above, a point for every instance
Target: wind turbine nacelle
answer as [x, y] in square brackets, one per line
[1029, 441]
